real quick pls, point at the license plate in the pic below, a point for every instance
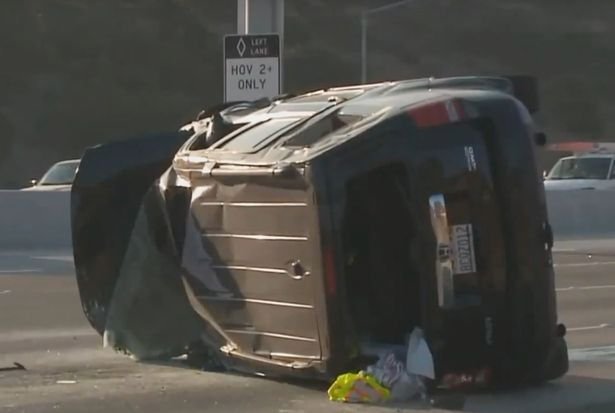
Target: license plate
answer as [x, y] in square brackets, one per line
[464, 261]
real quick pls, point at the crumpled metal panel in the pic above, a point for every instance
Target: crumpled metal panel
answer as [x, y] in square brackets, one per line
[149, 315]
[254, 229]
[127, 266]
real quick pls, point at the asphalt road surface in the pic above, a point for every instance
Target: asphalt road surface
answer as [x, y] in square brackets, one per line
[42, 327]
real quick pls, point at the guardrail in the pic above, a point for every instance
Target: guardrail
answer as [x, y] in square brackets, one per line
[582, 214]
[35, 220]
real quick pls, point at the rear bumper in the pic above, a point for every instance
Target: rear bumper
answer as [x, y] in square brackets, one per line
[553, 365]
[556, 363]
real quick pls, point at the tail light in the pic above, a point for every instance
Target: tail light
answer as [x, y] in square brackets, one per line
[438, 113]
[330, 271]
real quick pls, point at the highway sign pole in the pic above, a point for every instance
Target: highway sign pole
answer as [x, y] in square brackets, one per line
[364, 25]
[364, 47]
[261, 17]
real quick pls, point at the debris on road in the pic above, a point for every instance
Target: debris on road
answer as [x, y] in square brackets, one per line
[389, 379]
[480, 378]
[16, 366]
[358, 387]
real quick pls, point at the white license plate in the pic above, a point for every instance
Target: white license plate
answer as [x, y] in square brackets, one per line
[464, 261]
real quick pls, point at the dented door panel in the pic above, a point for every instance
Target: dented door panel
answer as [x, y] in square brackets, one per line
[269, 252]
[259, 235]
[279, 218]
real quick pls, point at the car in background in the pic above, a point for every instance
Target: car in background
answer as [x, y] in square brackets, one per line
[591, 167]
[57, 178]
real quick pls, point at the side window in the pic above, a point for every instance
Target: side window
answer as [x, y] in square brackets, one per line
[251, 138]
[612, 169]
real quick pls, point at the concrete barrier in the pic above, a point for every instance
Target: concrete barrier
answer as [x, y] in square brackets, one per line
[582, 214]
[34, 220]
[41, 219]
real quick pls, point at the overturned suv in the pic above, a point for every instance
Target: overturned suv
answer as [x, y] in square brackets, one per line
[286, 236]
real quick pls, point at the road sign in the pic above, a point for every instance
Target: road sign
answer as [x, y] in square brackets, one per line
[251, 66]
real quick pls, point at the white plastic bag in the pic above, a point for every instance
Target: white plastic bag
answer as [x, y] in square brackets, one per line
[419, 365]
[387, 370]
[419, 360]
[408, 387]
[392, 374]
[406, 381]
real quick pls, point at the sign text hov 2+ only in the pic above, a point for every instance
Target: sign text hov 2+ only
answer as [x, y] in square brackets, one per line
[251, 67]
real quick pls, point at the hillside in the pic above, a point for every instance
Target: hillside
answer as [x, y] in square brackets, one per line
[78, 72]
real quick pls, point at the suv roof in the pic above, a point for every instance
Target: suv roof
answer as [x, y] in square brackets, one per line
[294, 129]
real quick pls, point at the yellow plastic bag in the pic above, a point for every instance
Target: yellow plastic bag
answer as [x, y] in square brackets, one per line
[357, 388]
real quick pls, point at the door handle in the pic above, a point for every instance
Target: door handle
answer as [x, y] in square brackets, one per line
[296, 270]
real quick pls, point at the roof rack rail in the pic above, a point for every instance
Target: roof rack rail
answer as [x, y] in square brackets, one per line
[247, 104]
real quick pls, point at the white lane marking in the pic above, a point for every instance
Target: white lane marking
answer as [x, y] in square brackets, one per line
[584, 264]
[585, 287]
[5, 292]
[45, 334]
[605, 353]
[21, 271]
[67, 258]
[598, 327]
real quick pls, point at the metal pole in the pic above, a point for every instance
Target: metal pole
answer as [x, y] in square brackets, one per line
[263, 16]
[363, 47]
[279, 28]
[364, 15]
[260, 16]
[243, 17]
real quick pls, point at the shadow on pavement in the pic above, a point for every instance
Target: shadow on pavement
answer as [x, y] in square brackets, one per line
[570, 394]
[573, 393]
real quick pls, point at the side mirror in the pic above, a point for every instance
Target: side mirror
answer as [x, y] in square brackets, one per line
[540, 138]
[33, 181]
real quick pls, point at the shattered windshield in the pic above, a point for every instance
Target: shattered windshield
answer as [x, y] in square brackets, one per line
[581, 168]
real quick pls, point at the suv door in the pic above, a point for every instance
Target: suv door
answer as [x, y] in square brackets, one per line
[260, 236]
